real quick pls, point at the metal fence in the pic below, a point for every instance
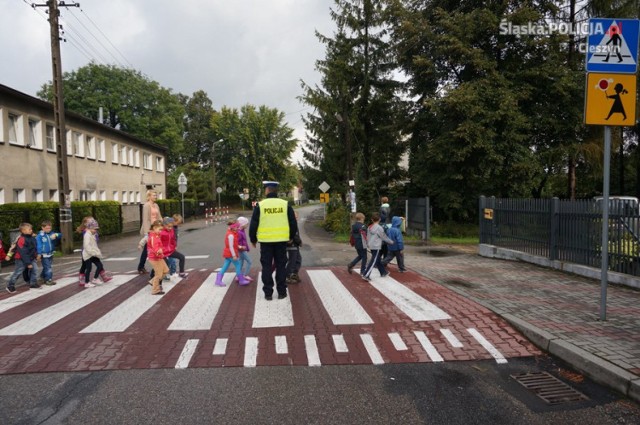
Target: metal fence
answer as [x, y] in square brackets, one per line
[569, 231]
[418, 215]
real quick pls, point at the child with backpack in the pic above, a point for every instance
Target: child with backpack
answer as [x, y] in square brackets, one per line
[375, 237]
[397, 249]
[26, 257]
[358, 241]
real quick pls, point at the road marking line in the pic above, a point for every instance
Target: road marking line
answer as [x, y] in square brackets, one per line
[428, 347]
[397, 341]
[487, 346]
[186, 354]
[195, 257]
[251, 351]
[203, 306]
[281, 344]
[38, 321]
[342, 307]
[313, 357]
[26, 296]
[411, 304]
[130, 310]
[340, 344]
[271, 314]
[455, 342]
[372, 350]
[119, 259]
[220, 347]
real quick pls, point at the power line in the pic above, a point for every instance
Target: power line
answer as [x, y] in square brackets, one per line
[107, 38]
[95, 38]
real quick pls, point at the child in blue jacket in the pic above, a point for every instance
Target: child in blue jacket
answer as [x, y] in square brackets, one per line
[397, 249]
[45, 242]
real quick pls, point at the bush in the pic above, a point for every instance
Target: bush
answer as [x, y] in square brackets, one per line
[452, 229]
[338, 220]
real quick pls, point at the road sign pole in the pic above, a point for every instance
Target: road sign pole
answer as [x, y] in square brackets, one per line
[183, 206]
[605, 224]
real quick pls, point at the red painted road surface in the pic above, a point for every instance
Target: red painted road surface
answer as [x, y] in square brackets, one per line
[33, 339]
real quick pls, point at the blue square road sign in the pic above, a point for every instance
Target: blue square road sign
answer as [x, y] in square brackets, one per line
[612, 45]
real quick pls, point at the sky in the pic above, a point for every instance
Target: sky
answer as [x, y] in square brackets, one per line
[237, 51]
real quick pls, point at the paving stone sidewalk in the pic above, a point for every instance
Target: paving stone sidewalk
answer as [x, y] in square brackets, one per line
[557, 311]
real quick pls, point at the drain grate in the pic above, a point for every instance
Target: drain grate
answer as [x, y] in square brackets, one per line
[550, 389]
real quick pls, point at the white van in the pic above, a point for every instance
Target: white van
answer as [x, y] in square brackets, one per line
[621, 205]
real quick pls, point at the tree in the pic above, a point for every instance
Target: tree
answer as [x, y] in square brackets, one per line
[131, 102]
[198, 135]
[354, 131]
[255, 146]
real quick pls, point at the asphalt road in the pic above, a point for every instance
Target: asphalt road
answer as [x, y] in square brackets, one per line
[463, 392]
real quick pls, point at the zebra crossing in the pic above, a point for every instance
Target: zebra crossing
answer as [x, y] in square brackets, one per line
[330, 318]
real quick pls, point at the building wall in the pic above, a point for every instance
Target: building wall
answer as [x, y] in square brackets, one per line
[103, 163]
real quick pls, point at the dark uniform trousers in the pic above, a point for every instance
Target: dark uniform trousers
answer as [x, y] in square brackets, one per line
[274, 253]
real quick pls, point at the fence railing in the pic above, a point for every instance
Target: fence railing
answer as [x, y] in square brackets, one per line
[569, 231]
[418, 215]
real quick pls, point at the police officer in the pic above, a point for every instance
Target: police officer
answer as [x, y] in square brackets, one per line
[273, 224]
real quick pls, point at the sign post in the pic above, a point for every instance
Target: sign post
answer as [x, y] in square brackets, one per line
[219, 191]
[324, 197]
[182, 188]
[610, 100]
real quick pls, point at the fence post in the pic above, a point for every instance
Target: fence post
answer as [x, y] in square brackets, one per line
[554, 219]
[427, 217]
[482, 205]
[492, 224]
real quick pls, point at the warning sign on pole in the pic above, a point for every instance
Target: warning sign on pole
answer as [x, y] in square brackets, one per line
[610, 99]
[612, 45]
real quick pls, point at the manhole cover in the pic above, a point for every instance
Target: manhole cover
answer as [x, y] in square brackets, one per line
[550, 389]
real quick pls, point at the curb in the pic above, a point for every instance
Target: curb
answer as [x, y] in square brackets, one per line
[596, 368]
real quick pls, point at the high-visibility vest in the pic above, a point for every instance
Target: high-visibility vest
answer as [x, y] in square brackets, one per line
[274, 223]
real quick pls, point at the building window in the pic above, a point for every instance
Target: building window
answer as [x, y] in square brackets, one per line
[37, 195]
[136, 156]
[1, 196]
[18, 195]
[50, 136]
[78, 147]
[15, 129]
[72, 196]
[138, 197]
[123, 155]
[35, 136]
[91, 147]
[116, 195]
[69, 143]
[160, 163]
[53, 195]
[102, 154]
[87, 195]
[131, 163]
[124, 197]
[146, 161]
[114, 153]
[103, 195]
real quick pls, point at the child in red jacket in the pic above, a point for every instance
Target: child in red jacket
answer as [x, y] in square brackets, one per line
[231, 254]
[155, 254]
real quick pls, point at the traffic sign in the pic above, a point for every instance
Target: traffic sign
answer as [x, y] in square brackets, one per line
[324, 186]
[610, 99]
[182, 179]
[219, 189]
[324, 198]
[182, 188]
[612, 45]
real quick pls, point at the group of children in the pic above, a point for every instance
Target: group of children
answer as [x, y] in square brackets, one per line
[27, 250]
[372, 238]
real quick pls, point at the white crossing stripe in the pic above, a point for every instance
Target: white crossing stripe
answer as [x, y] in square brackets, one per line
[195, 257]
[271, 314]
[119, 259]
[412, 304]
[372, 350]
[428, 347]
[203, 306]
[340, 344]
[38, 321]
[186, 354]
[487, 346]
[281, 344]
[251, 351]
[26, 296]
[130, 310]
[341, 306]
[455, 342]
[220, 347]
[313, 357]
[397, 341]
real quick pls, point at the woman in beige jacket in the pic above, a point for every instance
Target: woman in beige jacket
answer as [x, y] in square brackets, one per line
[150, 214]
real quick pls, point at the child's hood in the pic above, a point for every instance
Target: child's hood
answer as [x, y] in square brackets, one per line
[385, 205]
[396, 221]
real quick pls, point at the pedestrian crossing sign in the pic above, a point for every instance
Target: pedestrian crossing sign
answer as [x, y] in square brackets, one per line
[612, 45]
[610, 99]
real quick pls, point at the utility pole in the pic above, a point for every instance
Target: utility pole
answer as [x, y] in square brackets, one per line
[66, 226]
